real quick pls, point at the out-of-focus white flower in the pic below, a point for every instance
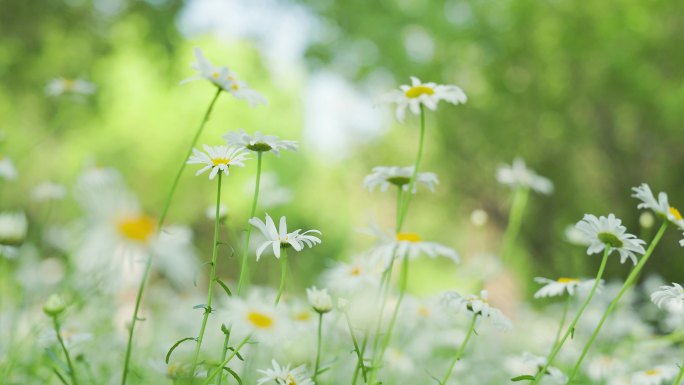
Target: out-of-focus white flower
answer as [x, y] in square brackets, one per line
[657, 376]
[670, 298]
[13, 228]
[271, 193]
[518, 175]
[256, 316]
[608, 232]
[408, 245]
[218, 158]
[259, 142]
[279, 237]
[399, 176]
[426, 94]
[476, 305]
[283, 375]
[7, 170]
[479, 217]
[353, 276]
[48, 191]
[65, 86]
[554, 288]
[210, 212]
[320, 300]
[224, 79]
[646, 220]
[661, 206]
[532, 364]
[575, 236]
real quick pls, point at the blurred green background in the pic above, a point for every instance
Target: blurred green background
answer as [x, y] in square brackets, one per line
[590, 94]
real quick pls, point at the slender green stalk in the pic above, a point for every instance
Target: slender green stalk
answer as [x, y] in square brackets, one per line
[224, 352]
[162, 217]
[359, 354]
[403, 283]
[212, 278]
[283, 273]
[562, 321]
[680, 375]
[514, 222]
[72, 372]
[461, 349]
[244, 265]
[412, 182]
[226, 361]
[628, 283]
[571, 328]
[318, 346]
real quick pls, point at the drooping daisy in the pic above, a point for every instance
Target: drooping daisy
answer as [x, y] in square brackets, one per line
[475, 304]
[65, 86]
[13, 228]
[259, 142]
[670, 298]
[48, 191]
[218, 158]
[399, 176]
[279, 237]
[320, 300]
[283, 375]
[408, 245]
[554, 288]
[425, 94]
[661, 206]
[608, 232]
[223, 78]
[659, 375]
[7, 170]
[518, 175]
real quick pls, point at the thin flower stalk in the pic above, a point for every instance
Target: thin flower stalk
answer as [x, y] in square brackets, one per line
[461, 349]
[628, 283]
[224, 351]
[219, 369]
[678, 380]
[283, 274]
[514, 222]
[571, 328]
[162, 218]
[244, 266]
[319, 341]
[70, 365]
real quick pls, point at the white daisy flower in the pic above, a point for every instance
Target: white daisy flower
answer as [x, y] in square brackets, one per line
[608, 232]
[279, 237]
[218, 158]
[13, 228]
[48, 191]
[659, 375]
[408, 245]
[63, 86]
[259, 142]
[661, 206]
[476, 305]
[223, 78]
[518, 175]
[7, 170]
[257, 317]
[670, 298]
[320, 300]
[554, 288]
[283, 375]
[399, 176]
[425, 94]
[350, 277]
[575, 236]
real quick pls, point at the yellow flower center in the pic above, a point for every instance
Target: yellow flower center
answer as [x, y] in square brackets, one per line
[136, 228]
[424, 311]
[567, 280]
[220, 161]
[652, 372]
[260, 320]
[408, 237]
[303, 316]
[290, 380]
[676, 213]
[234, 87]
[69, 84]
[416, 91]
[356, 271]
[175, 369]
[215, 75]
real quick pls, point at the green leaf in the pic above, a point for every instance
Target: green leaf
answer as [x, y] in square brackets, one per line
[524, 377]
[232, 373]
[224, 286]
[572, 333]
[58, 361]
[237, 354]
[168, 355]
[60, 376]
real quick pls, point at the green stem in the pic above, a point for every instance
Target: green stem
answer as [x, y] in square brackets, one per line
[148, 262]
[225, 361]
[628, 283]
[244, 266]
[72, 372]
[514, 222]
[403, 282]
[412, 181]
[571, 328]
[680, 375]
[224, 352]
[283, 273]
[460, 351]
[212, 278]
[318, 346]
[562, 321]
[359, 353]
